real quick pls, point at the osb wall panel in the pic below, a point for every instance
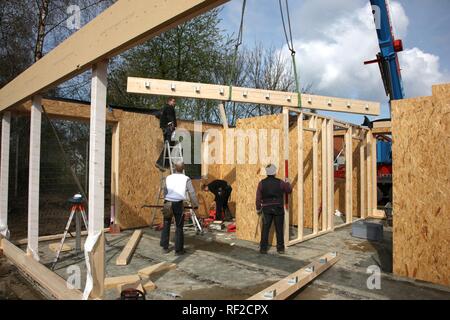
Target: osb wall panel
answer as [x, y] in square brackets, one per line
[421, 192]
[139, 180]
[248, 177]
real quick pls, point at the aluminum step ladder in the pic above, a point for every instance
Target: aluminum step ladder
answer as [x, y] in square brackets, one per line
[174, 154]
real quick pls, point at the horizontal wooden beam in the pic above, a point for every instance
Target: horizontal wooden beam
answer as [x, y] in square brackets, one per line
[294, 282]
[247, 95]
[125, 24]
[48, 280]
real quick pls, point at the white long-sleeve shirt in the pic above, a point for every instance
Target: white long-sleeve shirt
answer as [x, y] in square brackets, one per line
[177, 185]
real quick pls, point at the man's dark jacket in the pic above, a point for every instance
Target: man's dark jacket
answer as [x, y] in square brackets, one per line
[168, 115]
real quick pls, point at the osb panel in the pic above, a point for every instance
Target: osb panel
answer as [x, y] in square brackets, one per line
[139, 147]
[248, 177]
[421, 131]
[139, 180]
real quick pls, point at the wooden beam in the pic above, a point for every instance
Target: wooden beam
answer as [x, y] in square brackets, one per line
[315, 171]
[330, 169]
[373, 168]
[125, 256]
[97, 174]
[33, 182]
[115, 174]
[381, 124]
[349, 175]
[4, 173]
[65, 110]
[324, 135]
[48, 280]
[247, 95]
[362, 174]
[125, 24]
[51, 237]
[294, 282]
[301, 176]
[153, 269]
[286, 172]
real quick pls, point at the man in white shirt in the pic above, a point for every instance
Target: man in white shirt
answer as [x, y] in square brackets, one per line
[177, 185]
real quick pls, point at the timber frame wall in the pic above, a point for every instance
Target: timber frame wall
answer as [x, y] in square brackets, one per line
[124, 25]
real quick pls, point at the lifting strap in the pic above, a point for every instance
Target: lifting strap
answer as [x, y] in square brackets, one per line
[236, 49]
[290, 44]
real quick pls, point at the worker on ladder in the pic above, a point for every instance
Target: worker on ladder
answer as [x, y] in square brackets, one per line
[168, 125]
[177, 189]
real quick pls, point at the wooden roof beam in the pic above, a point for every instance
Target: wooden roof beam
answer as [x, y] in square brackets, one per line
[247, 95]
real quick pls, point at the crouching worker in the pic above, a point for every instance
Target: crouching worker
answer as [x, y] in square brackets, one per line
[270, 203]
[222, 192]
[177, 185]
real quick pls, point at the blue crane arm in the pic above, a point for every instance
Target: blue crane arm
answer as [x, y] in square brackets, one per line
[389, 47]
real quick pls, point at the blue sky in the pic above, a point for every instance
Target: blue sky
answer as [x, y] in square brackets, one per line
[334, 37]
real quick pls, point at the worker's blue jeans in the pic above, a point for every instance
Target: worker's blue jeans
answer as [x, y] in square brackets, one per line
[178, 209]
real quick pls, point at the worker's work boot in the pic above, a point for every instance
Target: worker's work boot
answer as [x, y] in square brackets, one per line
[281, 251]
[165, 250]
[263, 251]
[180, 253]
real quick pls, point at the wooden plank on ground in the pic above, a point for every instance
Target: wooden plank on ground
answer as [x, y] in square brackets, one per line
[50, 281]
[294, 282]
[137, 285]
[125, 256]
[149, 286]
[111, 283]
[162, 266]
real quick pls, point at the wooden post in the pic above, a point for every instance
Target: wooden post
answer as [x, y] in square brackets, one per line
[286, 172]
[300, 180]
[97, 175]
[373, 165]
[4, 174]
[313, 125]
[362, 173]
[330, 161]
[324, 210]
[349, 175]
[115, 199]
[33, 183]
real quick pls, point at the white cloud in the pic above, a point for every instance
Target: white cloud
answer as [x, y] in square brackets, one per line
[333, 61]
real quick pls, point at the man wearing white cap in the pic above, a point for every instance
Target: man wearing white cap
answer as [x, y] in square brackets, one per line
[270, 203]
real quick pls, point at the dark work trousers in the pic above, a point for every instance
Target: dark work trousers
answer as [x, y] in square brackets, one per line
[276, 215]
[178, 209]
[221, 199]
[167, 136]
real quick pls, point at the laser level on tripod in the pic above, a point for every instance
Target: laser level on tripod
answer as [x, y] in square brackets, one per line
[78, 211]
